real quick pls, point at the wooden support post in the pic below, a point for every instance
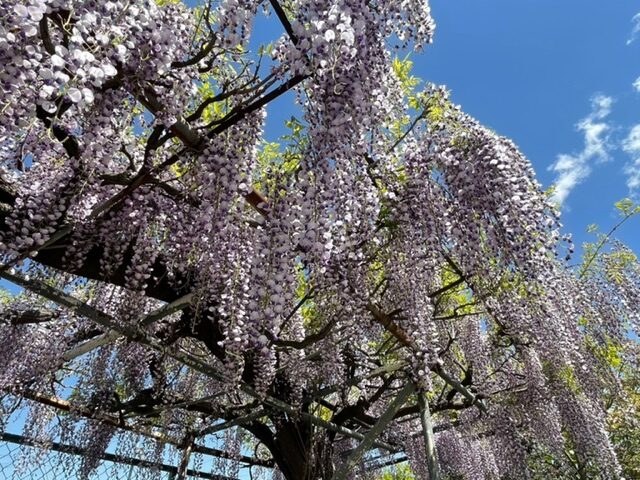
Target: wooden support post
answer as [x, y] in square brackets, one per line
[429, 438]
[369, 439]
[181, 474]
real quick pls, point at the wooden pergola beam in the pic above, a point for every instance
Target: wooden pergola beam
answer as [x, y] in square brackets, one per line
[62, 298]
[368, 441]
[395, 330]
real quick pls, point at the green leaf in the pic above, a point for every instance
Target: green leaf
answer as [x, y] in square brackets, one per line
[626, 206]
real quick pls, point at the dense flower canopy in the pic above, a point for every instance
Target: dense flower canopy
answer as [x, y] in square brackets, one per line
[389, 240]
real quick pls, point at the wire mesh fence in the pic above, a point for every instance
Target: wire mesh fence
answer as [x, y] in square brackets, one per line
[35, 450]
[23, 459]
[26, 462]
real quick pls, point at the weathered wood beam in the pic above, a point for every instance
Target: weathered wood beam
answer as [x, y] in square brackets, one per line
[368, 442]
[395, 330]
[108, 337]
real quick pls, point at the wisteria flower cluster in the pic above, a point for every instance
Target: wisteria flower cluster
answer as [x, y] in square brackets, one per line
[183, 271]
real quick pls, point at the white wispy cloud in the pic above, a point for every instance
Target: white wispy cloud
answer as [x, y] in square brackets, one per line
[573, 169]
[631, 145]
[636, 28]
[636, 84]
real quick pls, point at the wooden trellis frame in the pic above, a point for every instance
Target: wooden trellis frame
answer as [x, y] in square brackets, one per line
[368, 440]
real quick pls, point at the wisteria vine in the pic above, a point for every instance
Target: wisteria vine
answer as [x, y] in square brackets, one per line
[390, 238]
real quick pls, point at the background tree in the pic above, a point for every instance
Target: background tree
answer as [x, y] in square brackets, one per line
[387, 271]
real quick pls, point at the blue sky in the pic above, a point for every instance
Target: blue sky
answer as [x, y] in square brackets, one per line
[557, 77]
[532, 70]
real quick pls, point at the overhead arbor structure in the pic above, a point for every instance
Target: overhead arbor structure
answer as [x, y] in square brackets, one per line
[382, 286]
